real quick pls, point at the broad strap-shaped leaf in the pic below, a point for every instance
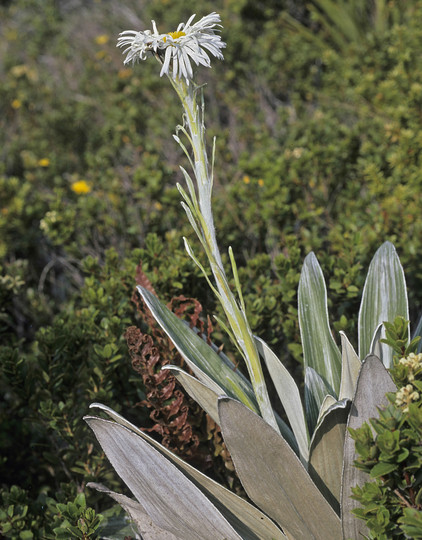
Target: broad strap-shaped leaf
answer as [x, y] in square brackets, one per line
[384, 298]
[206, 398]
[350, 367]
[373, 383]
[172, 501]
[319, 349]
[328, 402]
[273, 476]
[375, 349]
[289, 395]
[248, 521]
[418, 332]
[145, 525]
[316, 392]
[326, 452]
[201, 358]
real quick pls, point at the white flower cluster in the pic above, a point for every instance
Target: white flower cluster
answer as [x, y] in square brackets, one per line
[406, 395]
[414, 364]
[176, 50]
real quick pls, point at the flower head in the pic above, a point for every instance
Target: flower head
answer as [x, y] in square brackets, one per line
[81, 187]
[176, 50]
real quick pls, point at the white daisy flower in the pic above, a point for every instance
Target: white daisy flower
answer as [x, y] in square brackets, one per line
[140, 44]
[176, 50]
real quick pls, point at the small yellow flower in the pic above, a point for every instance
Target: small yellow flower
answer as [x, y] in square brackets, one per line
[125, 73]
[246, 179]
[81, 187]
[261, 182]
[100, 55]
[44, 162]
[16, 104]
[11, 35]
[158, 205]
[19, 70]
[102, 39]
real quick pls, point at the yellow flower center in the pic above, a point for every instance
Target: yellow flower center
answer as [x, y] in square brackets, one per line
[175, 35]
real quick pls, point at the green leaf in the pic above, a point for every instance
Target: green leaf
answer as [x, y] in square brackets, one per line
[250, 522]
[328, 402]
[208, 399]
[116, 524]
[315, 393]
[418, 333]
[26, 535]
[411, 523]
[375, 348]
[289, 395]
[384, 298]
[383, 468]
[326, 452]
[273, 476]
[350, 367]
[373, 383]
[210, 369]
[319, 349]
[80, 501]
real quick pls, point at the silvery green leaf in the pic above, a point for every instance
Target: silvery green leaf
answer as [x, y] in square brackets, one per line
[319, 349]
[375, 349]
[248, 521]
[167, 495]
[207, 399]
[350, 367]
[373, 383]
[201, 358]
[144, 524]
[384, 298]
[316, 391]
[201, 393]
[273, 476]
[328, 402]
[418, 332]
[289, 395]
[326, 452]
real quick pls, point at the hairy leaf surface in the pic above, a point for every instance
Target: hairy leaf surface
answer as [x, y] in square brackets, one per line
[384, 298]
[273, 476]
[319, 349]
[250, 522]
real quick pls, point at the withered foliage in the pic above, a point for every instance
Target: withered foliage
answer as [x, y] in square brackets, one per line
[181, 425]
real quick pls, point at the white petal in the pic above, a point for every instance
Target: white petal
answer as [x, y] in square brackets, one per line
[167, 58]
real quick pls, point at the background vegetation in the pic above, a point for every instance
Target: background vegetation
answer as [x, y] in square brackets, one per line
[319, 147]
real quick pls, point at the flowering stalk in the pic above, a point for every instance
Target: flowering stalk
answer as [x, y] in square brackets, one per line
[175, 51]
[199, 212]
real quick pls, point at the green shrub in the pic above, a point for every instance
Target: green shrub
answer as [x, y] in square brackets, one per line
[389, 449]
